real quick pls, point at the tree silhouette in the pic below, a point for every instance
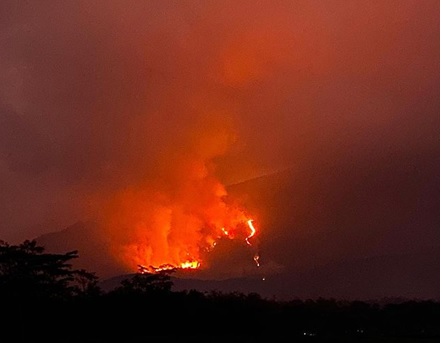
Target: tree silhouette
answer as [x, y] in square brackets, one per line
[85, 283]
[42, 298]
[27, 271]
[146, 283]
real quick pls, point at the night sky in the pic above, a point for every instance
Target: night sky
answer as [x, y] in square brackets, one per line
[321, 117]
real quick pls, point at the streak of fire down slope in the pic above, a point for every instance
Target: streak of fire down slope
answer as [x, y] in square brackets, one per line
[194, 264]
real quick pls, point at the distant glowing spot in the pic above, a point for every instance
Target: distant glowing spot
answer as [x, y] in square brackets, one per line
[311, 334]
[256, 259]
[263, 279]
[225, 231]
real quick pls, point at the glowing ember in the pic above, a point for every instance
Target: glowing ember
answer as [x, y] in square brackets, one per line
[256, 259]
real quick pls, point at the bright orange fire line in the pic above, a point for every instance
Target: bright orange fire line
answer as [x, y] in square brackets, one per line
[252, 231]
[169, 267]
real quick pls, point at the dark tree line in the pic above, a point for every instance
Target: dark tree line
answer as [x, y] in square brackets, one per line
[43, 298]
[26, 271]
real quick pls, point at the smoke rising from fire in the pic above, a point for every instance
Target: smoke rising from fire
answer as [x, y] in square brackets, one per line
[139, 114]
[176, 216]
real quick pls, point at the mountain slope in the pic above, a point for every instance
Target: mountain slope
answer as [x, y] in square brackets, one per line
[323, 231]
[367, 279]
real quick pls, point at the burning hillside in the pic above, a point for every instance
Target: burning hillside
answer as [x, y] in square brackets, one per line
[177, 216]
[195, 264]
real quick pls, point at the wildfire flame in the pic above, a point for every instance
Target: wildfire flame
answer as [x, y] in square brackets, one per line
[195, 264]
[190, 265]
[252, 231]
[168, 267]
[174, 218]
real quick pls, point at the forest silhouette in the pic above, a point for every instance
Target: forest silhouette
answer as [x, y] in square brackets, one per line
[43, 298]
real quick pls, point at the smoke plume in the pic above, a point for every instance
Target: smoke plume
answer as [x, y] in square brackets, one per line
[139, 114]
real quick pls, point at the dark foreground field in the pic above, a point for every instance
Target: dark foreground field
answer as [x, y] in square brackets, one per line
[43, 299]
[130, 315]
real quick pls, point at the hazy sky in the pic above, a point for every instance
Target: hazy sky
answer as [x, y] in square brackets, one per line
[97, 97]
